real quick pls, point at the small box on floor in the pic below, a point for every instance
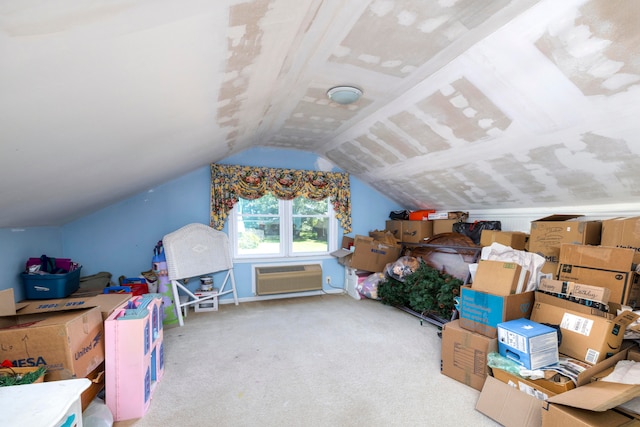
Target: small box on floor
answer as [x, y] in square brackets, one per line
[528, 343]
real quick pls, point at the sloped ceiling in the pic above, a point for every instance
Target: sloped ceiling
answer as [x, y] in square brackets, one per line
[467, 104]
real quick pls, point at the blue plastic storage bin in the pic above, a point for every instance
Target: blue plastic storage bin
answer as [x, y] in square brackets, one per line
[50, 286]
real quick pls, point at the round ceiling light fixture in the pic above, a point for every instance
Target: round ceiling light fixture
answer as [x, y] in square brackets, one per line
[344, 94]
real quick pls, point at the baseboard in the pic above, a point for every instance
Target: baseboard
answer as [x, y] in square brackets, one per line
[282, 296]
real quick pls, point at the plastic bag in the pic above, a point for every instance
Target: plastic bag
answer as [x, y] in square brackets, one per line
[401, 268]
[369, 287]
[401, 215]
[473, 230]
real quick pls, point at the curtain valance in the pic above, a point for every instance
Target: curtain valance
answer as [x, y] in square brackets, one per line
[230, 182]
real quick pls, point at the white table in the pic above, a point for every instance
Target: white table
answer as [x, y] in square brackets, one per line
[47, 404]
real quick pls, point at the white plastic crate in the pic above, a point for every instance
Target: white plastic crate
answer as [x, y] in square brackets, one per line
[206, 305]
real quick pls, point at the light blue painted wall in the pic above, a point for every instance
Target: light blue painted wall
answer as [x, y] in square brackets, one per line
[18, 245]
[120, 238]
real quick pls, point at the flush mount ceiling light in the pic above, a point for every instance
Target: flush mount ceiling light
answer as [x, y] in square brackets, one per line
[344, 94]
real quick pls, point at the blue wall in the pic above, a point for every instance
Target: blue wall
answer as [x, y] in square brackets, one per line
[120, 238]
[18, 245]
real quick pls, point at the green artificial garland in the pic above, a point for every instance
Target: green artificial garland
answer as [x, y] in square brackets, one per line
[426, 291]
[10, 377]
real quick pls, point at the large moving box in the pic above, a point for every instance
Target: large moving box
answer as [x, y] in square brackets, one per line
[622, 233]
[464, 354]
[604, 266]
[587, 334]
[481, 311]
[372, 255]
[547, 234]
[70, 344]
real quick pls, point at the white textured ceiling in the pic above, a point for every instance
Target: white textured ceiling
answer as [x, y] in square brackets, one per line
[467, 104]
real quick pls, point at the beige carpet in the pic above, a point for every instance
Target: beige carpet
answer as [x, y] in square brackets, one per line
[314, 361]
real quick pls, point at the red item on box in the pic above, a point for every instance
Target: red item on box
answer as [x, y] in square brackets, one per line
[421, 215]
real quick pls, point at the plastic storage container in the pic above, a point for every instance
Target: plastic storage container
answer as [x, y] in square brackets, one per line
[50, 286]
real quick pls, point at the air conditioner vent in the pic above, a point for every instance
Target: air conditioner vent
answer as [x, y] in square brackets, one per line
[288, 278]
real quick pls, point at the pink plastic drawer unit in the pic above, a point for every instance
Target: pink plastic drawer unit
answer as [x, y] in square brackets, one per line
[134, 356]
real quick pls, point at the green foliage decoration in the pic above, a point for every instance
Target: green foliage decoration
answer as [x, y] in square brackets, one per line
[12, 378]
[426, 290]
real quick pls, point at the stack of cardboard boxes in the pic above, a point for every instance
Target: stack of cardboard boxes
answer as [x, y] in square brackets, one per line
[587, 283]
[490, 300]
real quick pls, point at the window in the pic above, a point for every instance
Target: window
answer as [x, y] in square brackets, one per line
[272, 228]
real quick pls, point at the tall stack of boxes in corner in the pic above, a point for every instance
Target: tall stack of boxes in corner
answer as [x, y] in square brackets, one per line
[589, 274]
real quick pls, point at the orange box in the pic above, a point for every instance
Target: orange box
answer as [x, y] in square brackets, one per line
[421, 215]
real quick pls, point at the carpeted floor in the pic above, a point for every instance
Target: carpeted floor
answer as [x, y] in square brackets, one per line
[313, 361]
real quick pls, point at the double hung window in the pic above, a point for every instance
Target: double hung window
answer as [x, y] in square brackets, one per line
[270, 228]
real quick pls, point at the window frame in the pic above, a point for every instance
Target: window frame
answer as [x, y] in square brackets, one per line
[286, 216]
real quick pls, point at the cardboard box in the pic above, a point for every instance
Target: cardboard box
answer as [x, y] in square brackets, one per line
[547, 234]
[604, 266]
[69, 343]
[499, 277]
[541, 388]
[106, 302]
[622, 233]
[394, 226]
[591, 404]
[443, 225]
[464, 354]
[372, 255]
[510, 407]
[345, 252]
[97, 379]
[566, 416]
[588, 334]
[515, 239]
[575, 292]
[416, 231]
[528, 343]
[438, 215]
[456, 215]
[481, 312]
[410, 231]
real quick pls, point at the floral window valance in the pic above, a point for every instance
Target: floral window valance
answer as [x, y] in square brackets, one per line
[230, 182]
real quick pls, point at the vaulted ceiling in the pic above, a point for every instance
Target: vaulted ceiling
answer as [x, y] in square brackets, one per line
[467, 104]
